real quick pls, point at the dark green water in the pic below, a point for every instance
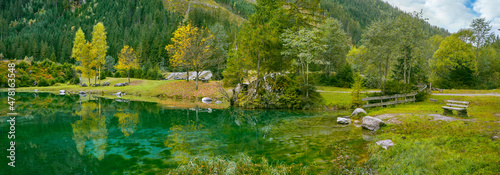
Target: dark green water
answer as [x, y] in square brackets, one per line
[84, 135]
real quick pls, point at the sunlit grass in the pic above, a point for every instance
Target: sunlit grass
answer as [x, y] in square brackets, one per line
[423, 146]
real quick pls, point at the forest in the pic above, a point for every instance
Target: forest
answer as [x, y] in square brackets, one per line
[319, 42]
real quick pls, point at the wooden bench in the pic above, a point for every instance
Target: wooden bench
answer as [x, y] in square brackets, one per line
[459, 106]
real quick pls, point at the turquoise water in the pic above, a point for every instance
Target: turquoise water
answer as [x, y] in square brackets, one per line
[71, 134]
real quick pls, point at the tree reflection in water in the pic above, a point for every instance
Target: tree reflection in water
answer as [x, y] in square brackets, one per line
[127, 122]
[91, 127]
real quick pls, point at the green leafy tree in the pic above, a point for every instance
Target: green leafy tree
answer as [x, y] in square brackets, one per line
[337, 44]
[221, 46]
[380, 40]
[306, 47]
[455, 63]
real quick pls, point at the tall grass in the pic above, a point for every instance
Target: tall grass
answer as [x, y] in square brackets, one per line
[240, 164]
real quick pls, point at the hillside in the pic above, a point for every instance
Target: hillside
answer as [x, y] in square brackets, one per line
[43, 30]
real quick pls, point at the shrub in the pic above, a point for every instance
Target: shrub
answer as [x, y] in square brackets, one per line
[42, 82]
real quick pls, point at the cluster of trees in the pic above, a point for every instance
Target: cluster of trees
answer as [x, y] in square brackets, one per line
[399, 52]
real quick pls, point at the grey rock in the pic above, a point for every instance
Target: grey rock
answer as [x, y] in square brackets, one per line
[342, 120]
[81, 92]
[218, 102]
[494, 137]
[371, 123]
[206, 99]
[385, 143]
[358, 111]
[84, 85]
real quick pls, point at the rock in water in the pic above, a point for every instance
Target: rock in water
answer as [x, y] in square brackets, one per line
[358, 111]
[342, 120]
[372, 123]
[385, 143]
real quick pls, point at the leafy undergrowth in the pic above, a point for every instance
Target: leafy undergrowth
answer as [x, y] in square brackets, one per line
[423, 146]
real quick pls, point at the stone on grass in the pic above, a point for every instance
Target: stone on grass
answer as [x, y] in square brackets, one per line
[206, 99]
[372, 123]
[358, 111]
[342, 120]
[385, 143]
[84, 85]
[81, 92]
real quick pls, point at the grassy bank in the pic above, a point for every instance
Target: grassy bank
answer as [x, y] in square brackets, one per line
[425, 146]
[140, 87]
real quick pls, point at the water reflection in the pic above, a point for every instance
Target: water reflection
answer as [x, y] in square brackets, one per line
[105, 136]
[127, 122]
[91, 127]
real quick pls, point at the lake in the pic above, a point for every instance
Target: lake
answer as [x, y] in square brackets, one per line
[72, 134]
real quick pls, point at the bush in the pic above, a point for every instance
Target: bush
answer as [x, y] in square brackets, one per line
[42, 82]
[422, 96]
[396, 87]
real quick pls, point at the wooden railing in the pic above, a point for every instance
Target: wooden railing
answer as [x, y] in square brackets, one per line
[398, 98]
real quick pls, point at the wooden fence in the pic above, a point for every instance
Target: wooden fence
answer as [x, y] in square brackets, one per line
[393, 99]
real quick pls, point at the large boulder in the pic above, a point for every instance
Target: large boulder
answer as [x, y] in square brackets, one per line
[342, 120]
[84, 85]
[372, 123]
[385, 143]
[357, 111]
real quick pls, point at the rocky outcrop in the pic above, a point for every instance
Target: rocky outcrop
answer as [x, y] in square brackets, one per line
[372, 123]
[342, 120]
[385, 143]
[357, 111]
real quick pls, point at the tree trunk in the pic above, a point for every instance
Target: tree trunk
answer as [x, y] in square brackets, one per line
[95, 77]
[307, 80]
[99, 73]
[128, 74]
[258, 69]
[197, 72]
[187, 76]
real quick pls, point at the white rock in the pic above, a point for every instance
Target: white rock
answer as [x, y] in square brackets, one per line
[62, 91]
[358, 111]
[341, 120]
[385, 143]
[371, 123]
[206, 99]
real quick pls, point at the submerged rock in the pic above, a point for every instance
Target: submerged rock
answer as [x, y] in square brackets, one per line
[372, 123]
[385, 143]
[341, 120]
[358, 111]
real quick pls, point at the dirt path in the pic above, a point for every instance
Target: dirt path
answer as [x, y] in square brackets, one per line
[489, 94]
[393, 119]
